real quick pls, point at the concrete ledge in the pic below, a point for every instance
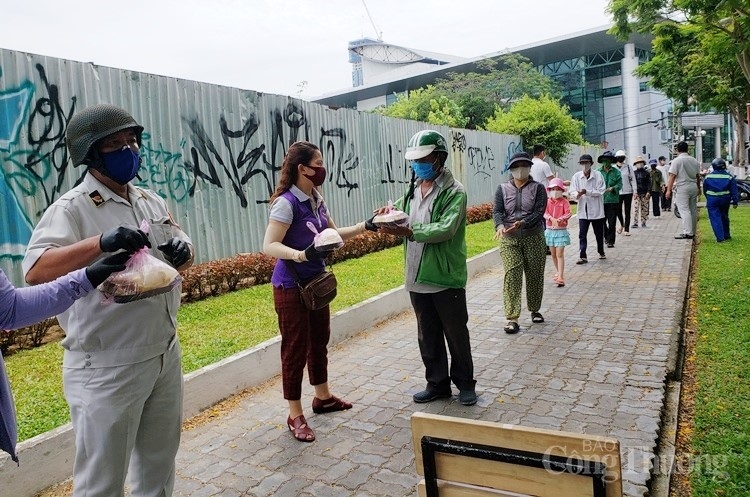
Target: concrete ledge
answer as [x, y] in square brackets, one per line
[47, 459]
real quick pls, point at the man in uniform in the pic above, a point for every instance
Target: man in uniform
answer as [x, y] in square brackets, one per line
[684, 180]
[122, 375]
[721, 191]
[435, 241]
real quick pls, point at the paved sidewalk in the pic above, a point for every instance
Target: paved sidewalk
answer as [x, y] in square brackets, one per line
[597, 365]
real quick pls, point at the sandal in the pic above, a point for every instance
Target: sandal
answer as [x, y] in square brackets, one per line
[511, 327]
[560, 282]
[331, 404]
[619, 230]
[300, 429]
[537, 317]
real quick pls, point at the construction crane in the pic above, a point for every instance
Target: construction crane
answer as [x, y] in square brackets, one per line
[377, 31]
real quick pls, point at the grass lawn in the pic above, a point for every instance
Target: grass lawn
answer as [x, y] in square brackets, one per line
[721, 436]
[212, 329]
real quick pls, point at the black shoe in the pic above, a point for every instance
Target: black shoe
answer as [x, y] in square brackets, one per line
[683, 236]
[428, 395]
[582, 260]
[511, 328]
[610, 245]
[467, 397]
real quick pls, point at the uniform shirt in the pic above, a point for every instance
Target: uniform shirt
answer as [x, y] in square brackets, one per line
[540, 171]
[686, 168]
[295, 208]
[98, 335]
[590, 205]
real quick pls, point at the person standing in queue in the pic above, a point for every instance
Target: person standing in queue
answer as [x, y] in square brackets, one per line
[612, 185]
[587, 188]
[519, 226]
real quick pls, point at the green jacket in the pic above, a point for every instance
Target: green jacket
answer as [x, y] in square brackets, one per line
[612, 179]
[657, 180]
[443, 260]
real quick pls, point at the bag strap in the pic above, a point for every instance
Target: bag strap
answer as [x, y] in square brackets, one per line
[290, 265]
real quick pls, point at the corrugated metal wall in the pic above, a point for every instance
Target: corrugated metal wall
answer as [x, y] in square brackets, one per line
[211, 151]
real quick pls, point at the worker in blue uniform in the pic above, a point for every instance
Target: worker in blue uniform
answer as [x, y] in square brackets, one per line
[720, 188]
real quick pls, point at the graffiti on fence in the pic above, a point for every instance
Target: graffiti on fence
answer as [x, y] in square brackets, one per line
[481, 160]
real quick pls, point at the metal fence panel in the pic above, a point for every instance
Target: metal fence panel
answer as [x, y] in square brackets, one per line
[213, 152]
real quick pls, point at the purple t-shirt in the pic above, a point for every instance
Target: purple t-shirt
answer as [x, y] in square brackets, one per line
[299, 237]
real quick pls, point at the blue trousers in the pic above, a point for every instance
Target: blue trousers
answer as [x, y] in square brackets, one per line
[718, 214]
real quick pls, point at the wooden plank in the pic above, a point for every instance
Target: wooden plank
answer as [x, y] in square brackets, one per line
[511, 477]
[450, 489]
[600, 449]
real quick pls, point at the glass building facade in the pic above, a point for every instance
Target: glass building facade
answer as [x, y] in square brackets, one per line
[586, 81]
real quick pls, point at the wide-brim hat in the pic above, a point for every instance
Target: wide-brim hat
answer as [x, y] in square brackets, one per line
[519, 159]
[606, 156]
[639, 158]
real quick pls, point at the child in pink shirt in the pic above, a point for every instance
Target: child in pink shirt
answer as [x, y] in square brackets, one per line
[556, 216]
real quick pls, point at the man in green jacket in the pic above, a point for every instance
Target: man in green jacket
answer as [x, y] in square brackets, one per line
[611, 197]
[436, 273]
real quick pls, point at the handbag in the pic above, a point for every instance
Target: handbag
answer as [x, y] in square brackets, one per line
[318, 292]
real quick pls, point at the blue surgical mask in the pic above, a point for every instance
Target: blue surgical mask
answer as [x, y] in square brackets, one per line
[424, 170]
[121, 165]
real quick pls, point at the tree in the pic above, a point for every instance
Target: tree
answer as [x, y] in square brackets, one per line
[428, 105]
[730, 17]
[541, 120]
[497, 83]
[696, 67]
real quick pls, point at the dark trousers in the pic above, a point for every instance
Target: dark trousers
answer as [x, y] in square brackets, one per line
[583, 231]
[655, 203]
[718, 215]
[610, 221]
[624, 208]
[666, 203]
[441, 318]
[304, 340]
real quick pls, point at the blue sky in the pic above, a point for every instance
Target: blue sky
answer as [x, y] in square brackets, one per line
[273, 46]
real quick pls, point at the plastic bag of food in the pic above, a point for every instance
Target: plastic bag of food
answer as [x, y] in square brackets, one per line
[328, 239]
[391, 218]
[144, 276]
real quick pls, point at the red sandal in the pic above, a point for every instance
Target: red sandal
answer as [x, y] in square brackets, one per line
[331, 404]
[300, 429]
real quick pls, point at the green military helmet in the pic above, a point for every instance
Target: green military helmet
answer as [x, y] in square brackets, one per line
[424, 143]
[94, 123]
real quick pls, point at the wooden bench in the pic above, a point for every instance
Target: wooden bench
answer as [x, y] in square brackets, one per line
[466, 458]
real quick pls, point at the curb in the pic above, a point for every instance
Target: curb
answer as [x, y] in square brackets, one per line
[47, 459]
